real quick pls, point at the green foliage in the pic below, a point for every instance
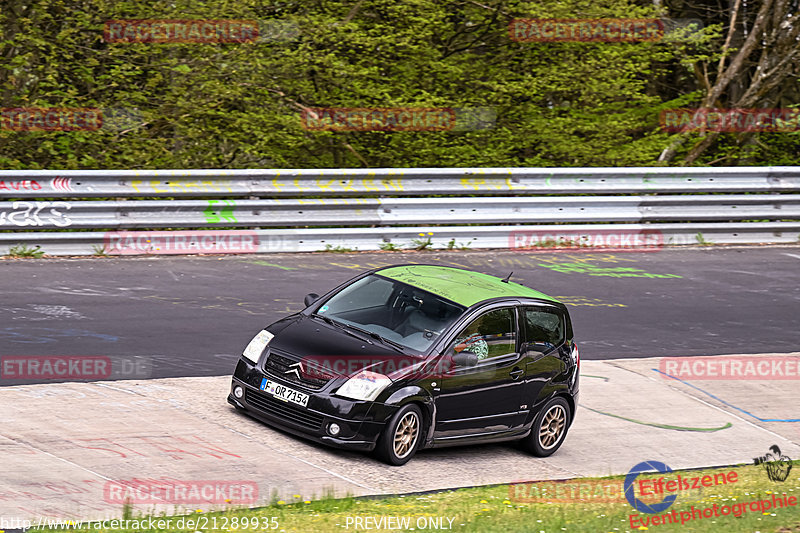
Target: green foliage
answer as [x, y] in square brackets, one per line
[702, 240]
[451, 245]
[389, 247]
[423, 243]
[22, 250]
[100, 250]
[238, 105]
[338, 249]
[591, 506]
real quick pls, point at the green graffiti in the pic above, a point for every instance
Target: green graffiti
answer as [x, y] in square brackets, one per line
[264, 263]
[597, 377]
[651, 424]
[614, 272]
[219, 213]
[662, 426]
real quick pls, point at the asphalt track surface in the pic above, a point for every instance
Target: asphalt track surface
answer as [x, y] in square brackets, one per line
[192, 316]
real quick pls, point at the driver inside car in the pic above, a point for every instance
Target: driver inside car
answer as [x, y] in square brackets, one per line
[472, 340]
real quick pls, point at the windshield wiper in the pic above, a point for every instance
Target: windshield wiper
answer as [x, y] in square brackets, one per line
[396, 345]
[347, 327]
[343, 327]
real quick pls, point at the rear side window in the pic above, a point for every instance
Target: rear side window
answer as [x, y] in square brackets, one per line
[544, 324]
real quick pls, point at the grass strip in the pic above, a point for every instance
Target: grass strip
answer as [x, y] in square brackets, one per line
[575, 505]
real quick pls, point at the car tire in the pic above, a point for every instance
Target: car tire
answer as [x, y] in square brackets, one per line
[400, 438]
[549, 428]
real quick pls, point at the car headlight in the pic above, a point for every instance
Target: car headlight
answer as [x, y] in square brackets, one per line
[257, 345]
[365, 385]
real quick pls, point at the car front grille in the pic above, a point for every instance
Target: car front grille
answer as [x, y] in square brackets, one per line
[280, 366]
[283, 410]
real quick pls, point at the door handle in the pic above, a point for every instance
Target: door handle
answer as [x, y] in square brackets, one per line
[516, 373]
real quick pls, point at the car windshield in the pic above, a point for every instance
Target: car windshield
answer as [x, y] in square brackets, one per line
[397, 312]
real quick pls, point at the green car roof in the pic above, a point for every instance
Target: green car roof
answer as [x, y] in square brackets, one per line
[463, 287]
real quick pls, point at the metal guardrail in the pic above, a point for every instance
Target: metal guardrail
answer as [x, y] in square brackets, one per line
[365, 209]
[391, 182]
[648, 236]
[393, 211]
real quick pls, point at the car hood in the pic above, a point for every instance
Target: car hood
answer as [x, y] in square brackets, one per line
[328, 350]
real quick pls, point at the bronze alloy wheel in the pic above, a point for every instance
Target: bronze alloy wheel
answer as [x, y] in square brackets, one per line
[552, 427]
[401, 437]
[405, 436]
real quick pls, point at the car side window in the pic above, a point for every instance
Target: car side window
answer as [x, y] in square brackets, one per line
[493, 334]
[543, 324]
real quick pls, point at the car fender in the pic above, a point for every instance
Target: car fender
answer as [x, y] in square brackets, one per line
[416, 394]
[555, 390]
[278, 326]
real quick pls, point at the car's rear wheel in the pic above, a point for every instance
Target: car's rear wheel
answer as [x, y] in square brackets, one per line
[400, 439]
[549, 428]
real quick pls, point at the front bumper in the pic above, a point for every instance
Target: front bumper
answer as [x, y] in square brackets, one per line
[360, 422]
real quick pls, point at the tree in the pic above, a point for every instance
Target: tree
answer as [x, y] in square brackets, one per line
[757, 58]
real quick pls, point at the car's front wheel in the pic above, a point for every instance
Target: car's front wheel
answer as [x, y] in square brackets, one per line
[400, 438]
[549, 428]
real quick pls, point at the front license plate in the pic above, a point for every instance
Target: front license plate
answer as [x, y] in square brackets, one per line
[284, 393]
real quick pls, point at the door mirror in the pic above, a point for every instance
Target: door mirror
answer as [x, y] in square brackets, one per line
[311, 298]
[465, 358]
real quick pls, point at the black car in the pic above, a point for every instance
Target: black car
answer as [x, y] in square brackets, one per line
[416, 356]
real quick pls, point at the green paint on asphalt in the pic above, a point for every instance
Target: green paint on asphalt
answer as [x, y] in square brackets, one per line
[264, 263]
[613, 272]
[662, 426]
[598, 377]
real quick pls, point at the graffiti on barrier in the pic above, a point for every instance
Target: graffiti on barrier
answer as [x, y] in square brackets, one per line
[20, 185]
[34, 214]
[159, 186]
[218, 213]
[61, 184]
